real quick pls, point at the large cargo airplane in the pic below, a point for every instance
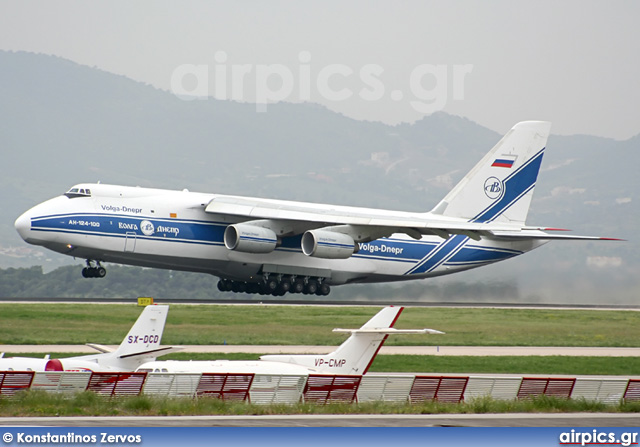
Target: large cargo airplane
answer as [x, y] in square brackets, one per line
[274, 246]
[141, 345]
[354, 356]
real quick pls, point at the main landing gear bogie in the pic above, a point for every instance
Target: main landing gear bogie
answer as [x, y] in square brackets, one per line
[94, 270]
[277, 285]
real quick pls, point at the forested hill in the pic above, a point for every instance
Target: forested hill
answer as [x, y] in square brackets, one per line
[133, 282]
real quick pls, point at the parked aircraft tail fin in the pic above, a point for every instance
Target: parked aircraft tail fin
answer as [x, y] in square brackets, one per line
[142, 344]
[500, 187]
[356, 354]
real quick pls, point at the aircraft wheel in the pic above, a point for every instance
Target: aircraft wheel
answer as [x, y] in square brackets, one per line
[85, 273]
[285, 285]
[312, 287]
[240, 287]
[225, 284]
[297, 286]
[324, 289]
[101, 272]
[270, 284]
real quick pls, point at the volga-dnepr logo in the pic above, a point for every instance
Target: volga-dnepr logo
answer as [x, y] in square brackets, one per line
[147, 228]
[493, 188]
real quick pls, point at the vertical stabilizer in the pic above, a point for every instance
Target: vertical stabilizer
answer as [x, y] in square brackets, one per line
[142, 344]
[146, 334]
[356, 354]
[500, 187]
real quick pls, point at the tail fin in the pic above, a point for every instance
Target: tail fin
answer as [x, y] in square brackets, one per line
[146, 333]
[356, 354]
[500, 187]
[142, 344]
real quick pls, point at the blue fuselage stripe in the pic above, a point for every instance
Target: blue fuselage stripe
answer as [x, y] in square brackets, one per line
[424, 256]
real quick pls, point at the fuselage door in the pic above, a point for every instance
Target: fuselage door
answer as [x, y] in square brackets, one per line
[130, 242]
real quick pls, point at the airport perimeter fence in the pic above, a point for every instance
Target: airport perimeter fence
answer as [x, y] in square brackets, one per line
[319, 388]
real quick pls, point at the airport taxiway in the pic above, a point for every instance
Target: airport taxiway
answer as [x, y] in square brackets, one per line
[406, 350]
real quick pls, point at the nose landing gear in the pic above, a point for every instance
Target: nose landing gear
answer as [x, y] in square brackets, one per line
[93, 270]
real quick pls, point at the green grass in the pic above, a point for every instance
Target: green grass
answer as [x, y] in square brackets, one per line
[311, 325]
[39, 403]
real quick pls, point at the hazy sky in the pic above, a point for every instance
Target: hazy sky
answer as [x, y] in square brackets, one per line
[575, 63]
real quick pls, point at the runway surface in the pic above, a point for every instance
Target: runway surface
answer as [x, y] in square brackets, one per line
[407, 350]
[262, 301]
[341, 420]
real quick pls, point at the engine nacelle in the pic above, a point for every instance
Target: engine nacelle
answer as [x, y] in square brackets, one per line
[249, 238]
[327, 244]
[73, 365]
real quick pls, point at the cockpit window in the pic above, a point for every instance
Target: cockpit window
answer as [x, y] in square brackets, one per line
[78, 192]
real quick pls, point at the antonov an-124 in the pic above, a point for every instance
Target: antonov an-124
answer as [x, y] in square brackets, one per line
[273, 247]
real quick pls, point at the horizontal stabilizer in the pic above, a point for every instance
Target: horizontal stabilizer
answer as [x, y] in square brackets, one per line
[389, 331]
[541, 235]
[155, 352]
[100, 348]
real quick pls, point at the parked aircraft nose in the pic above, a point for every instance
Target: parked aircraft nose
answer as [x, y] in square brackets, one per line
[23, 225]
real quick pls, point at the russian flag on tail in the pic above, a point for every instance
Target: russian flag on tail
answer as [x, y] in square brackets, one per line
[504, 161]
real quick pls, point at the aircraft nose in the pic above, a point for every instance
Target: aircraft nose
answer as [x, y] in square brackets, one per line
[23, 225]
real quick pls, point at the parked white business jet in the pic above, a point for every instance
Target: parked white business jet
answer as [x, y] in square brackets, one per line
[142, 344]
[276, 246]
[354, 356]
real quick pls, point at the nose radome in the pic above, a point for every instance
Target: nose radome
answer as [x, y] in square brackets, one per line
[23, 226]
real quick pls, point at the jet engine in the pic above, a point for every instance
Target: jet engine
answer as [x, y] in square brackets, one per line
[250, 238]
[73, 365]
[327, 244]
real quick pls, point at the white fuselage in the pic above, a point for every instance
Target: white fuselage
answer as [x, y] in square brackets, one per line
[226, 367]
[171, 230]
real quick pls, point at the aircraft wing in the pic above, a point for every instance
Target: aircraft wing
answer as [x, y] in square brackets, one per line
[320, 214]
[413, 224]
